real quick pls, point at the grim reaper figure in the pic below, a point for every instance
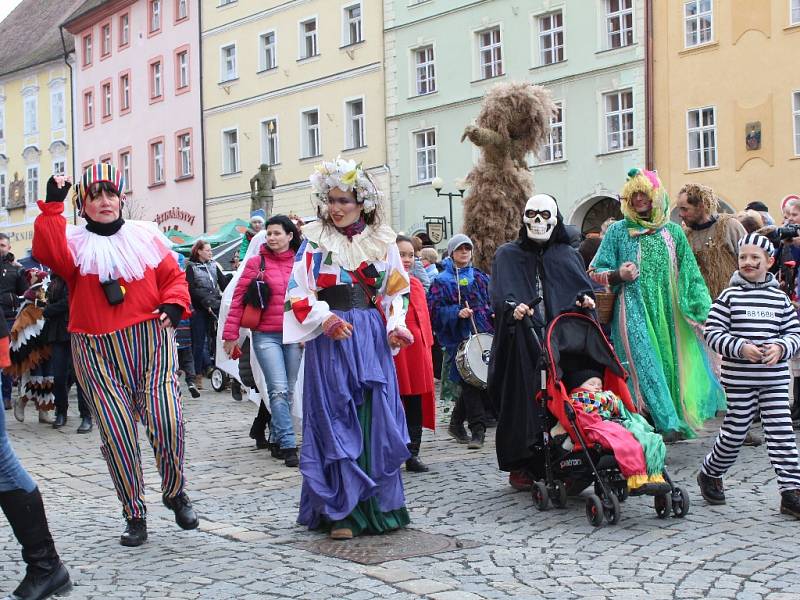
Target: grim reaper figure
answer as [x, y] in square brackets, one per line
[538, 275]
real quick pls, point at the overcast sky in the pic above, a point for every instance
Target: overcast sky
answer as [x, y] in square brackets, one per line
[6, 6]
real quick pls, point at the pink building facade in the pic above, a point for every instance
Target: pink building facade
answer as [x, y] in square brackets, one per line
[137, 103]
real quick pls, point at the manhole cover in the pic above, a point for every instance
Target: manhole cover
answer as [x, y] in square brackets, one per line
[375, 549]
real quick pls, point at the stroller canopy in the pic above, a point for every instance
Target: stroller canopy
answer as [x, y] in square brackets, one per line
[575, 339]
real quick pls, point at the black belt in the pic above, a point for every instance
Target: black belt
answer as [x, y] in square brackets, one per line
[344, 297]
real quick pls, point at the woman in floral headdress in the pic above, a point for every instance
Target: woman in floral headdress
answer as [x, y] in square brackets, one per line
[662, 301]
[345, 301]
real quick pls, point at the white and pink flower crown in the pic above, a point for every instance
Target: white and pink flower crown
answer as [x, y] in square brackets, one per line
[347, 175]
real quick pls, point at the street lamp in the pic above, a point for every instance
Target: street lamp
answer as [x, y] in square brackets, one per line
[437, 183]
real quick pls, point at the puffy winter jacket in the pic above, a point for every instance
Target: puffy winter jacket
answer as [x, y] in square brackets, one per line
[206, 284]
[277, 270]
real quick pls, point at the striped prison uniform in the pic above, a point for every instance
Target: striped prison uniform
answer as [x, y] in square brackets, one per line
[758, 314]
[130, 375]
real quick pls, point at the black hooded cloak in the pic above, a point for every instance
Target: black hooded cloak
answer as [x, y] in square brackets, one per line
[514, 370]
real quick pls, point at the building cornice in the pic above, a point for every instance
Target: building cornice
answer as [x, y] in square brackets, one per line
[31, 69]
[293, 89]
[81, 22]
[444, 13]
[479, 98]
[262, 14]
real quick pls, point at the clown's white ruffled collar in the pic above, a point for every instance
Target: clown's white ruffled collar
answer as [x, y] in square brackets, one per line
[372, 244]
[126, 255]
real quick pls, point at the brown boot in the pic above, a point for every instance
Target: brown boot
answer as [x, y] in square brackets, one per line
[198, 381]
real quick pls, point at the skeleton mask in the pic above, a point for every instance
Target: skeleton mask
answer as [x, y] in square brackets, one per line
[540, 217]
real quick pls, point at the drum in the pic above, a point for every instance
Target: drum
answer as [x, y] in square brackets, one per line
[472, 359]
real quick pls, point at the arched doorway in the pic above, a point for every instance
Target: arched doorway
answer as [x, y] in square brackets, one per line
[590, 214]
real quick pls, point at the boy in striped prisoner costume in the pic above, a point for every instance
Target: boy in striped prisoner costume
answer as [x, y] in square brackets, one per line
[126, 295]
[755, 328]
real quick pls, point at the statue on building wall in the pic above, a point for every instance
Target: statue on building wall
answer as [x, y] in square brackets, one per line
[16, 192]
[261, 186]
[514, 121]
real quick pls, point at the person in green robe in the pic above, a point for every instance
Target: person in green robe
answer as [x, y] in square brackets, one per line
[662, 302]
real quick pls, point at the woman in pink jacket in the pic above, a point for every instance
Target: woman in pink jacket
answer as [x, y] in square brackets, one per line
[270, 269]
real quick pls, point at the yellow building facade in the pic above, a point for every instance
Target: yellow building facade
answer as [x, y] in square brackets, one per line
[726, 97]
[35, 142]
[289, 84]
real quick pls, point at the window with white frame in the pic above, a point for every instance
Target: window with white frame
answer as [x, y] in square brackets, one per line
[425, 148]
[310, 124]
[59, 167]
[355, 123]
[698, 22]
[796, 119]
[308, 38]
[794, 12]
[230, 151]
[125, 167]
[124, 91]
[269, 142]
[106, 89]
[490, 53]
[157, 162]
[56, 109]
[87, 50]
[32, 189]
[619, 23]
[269, 59]
[225, 2]
[618, 108]
[30, 115]
[88, 109]
[155, 15]
[553, 149]
[351, 24]
[185, 154]
[3, 190]
[105, 39]
[182, 9]
[183, 69]
[701, 129]
[124, 29]
[425, 70]
[227, 65]
[155, 80]
[551, 38]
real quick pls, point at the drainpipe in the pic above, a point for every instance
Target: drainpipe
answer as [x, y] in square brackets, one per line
[648, 84]
[72, 114]
[202, 118]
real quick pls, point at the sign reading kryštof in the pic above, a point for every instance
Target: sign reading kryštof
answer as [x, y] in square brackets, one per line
[175, 213]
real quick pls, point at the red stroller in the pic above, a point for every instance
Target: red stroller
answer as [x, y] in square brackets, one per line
[576, 336]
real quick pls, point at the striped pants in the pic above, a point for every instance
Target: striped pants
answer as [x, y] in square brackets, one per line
[781, 445]
[129, 376]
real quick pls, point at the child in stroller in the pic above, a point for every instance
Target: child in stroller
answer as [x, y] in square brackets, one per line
[576, 350]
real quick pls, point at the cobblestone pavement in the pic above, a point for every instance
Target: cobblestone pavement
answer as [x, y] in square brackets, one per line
[248, 505]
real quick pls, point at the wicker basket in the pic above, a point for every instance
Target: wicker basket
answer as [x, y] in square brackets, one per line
[605, 306]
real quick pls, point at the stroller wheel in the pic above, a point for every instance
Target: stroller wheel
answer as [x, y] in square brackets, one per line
[680, 502]
[541, 500]
[594, 510]
[611, 509]
[559, 494]
[218, 380]
[661, 504]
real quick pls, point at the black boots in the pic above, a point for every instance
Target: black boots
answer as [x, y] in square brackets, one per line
[86, 425]
[711, 488]
[45, 574]
[289, 456]
[192, 388]
[60, 421]
[790, 503]
[258, 430]
[185, 516]
[414, 464]
[456, 429]
[135, 533]
[478, 435]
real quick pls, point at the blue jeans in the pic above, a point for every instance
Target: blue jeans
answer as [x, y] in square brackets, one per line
[199, 324]
[280, 363]
[12, 475]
